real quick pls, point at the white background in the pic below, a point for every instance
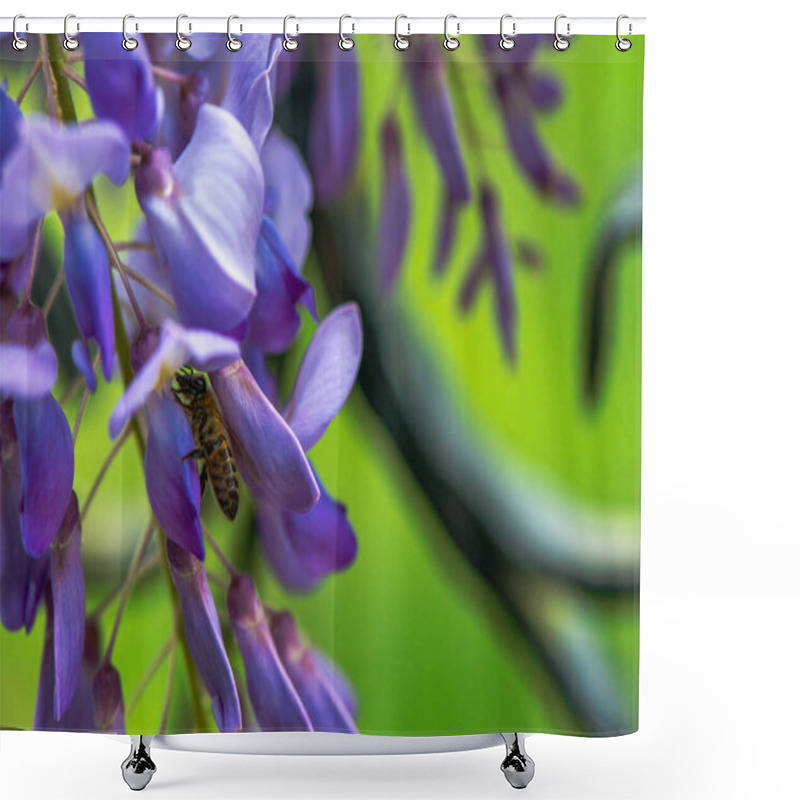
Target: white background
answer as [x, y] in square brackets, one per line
[720, 680]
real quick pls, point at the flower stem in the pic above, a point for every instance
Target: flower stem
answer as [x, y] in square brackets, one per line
[168, 691]
[84, 401]
[232, 571]
[114, 257]
[145, 246]
[126, 588]
[167, 648]
[145, 569]
[70, 73]
[37, 68]
[167, 74]
[51, 82]
[148, 284]
[103, 469]
[35, 252]
[51, 295]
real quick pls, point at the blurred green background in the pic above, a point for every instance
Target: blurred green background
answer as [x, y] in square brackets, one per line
[423, 640]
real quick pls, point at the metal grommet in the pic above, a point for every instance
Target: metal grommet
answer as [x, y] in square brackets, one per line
[401, 42]
[20, 43]
[451, 42]
[560, 42]
[181, 41]
[70, 42]
[289, 42]
[128, 42]
[345, 42]
[506, 42]
[623, 45]
[233, 44]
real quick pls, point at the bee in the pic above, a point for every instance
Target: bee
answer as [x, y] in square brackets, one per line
[211, 439]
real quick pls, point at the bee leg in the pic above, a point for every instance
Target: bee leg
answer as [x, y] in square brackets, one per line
[196, 453]
[203, 479]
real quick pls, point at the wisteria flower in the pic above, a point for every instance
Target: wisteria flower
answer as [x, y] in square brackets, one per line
[49, 167]
[121, 86]
[275, 701]
[204, 636]
[204, 214]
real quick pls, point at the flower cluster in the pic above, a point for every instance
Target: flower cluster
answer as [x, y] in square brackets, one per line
[521, 92]
[210, 280]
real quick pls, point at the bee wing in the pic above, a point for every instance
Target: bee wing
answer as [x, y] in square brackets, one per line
[246, 464]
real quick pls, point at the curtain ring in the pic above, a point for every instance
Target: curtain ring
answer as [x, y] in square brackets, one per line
[20, 43]
[507, 42]
[233, 44]
[623, 45]
[560, 42]
[181, 41]
[451, 42]
[70, 42]
[128, 42]
[289, 42]
[401, 42]
[345, 42]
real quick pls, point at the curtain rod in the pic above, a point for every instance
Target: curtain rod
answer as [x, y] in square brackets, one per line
[301, 24]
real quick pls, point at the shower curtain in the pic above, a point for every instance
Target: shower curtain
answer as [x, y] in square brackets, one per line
[320, 385]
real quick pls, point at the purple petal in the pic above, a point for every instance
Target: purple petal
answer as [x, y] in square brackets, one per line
[326, 374]
[204, 637]
[499, 260]
[52, 165]
[302, 549]
[249, 92]
[27, 372]
[275, 701]
[204, 217]
[274, 320]
[395, 212]
[477, 273]
[435, 110]
[288, 195]
[522, 136]
[257, 364]
[445, 235]
[335, 119]
[83, 362]
[22, 578]
[121, 84]
[88, 278]
[109, 705]
[48, 467]
[327, 710]
[10, 121]
[544, 91]
[173, 485]
[69, 606]
[79, 716]
[176, 347]
[270, 458]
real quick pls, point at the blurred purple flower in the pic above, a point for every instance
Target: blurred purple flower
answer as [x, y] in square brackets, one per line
[204, 214]
[316, 681]
[269, 457]
[109, 705]
[435, 112]
[69, 606]
[204, 637]
[493, 262]
[275, 701]
[83, 363]
[88, 278]
[335, 124]
[49, 167]
[121, 86]
[288, 195]
[22, 578]
[395, 211]
[11, 120]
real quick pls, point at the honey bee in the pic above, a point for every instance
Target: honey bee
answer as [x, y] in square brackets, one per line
[211, 439]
